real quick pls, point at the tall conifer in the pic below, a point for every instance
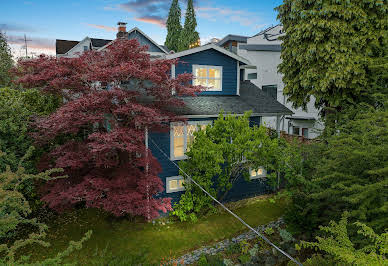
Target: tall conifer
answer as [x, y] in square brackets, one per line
[6, 61]
[174, 27]
[189, 36]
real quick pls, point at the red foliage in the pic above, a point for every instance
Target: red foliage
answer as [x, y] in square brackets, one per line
[97, 135]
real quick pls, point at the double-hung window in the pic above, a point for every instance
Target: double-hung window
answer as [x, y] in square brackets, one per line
[174, 184]
[258, 173]
[182, 137]
[209, 77]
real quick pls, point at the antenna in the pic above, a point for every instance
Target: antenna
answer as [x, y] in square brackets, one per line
[25, 43]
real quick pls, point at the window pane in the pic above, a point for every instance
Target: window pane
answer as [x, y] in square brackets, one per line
[271, 90]
[214, 84]
[173, 184]
[253, 173]
[201, 72]
[214, 73]
[305, 132]
[190, 135]
[178, 140]
[200, 82]
[260, 171]
[180, 183]
[295, 130]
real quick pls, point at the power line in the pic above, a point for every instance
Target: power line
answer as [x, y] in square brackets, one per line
[225, 208]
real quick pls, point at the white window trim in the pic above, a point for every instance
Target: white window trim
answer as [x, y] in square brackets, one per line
[258, 176]
[168, 179]
[172, 157]
[207, 67]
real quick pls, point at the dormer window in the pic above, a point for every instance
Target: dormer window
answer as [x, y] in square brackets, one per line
[209, 77]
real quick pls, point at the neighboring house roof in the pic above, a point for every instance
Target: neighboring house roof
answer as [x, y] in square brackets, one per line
[99, 42]
[251, 98]
[63, 46]
[165, 48]
[265, 30]
[161, 47]
[261, 47]
[305, 118]
[207, 47]
[231, 37]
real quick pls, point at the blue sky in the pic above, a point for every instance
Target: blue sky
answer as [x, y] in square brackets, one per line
[43, 21]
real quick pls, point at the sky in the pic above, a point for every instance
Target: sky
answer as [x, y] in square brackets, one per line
[43, 21]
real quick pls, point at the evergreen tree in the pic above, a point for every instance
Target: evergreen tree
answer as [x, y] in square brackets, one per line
[6, 61]
[174, 27]
[189, 36]
[327, 51]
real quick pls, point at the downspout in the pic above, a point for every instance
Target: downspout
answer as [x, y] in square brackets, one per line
[147, 170]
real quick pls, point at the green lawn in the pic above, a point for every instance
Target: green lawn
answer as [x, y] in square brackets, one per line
[123, 237]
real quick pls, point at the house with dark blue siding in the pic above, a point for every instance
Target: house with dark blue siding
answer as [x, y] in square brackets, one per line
[221, 72]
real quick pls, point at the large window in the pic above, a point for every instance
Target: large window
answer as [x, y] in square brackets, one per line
[208, 76]
[182, 137]
[174, 184]
[258, 173]
[271, 90]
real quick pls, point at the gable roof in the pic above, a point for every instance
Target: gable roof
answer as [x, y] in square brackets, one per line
[63, 46]
[231, 37]
[251, 98]
[99, 42]
[207, 47]
[161, 47]
[145, 35]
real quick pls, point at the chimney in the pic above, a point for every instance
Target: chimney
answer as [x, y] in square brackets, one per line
[122, 30]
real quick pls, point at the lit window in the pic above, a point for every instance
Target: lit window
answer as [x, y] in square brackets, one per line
[208, 76]
[174, 184]
[259, 173]
[182, 137]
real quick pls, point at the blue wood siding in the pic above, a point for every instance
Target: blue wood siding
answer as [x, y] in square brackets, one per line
[144, 41]
[213, 58]
[241, 189]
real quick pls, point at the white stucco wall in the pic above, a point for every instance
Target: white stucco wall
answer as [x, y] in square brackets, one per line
[267, 74]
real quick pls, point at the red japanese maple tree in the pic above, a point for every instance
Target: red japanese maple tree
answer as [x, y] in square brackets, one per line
[110, 98]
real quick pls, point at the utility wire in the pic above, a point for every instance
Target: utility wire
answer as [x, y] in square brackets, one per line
[225, 208]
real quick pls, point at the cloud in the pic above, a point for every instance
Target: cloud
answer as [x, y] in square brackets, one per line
[225, 14]
[153, 20]
[148, 11]
[15, 28]
[103, 27]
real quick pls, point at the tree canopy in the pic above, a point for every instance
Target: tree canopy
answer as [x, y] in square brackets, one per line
[6, 61]
[349, 172]
[111, 97]
[328, 51]
[174, 27]
[189, 36]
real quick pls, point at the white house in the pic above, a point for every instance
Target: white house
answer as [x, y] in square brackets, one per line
[263, 51]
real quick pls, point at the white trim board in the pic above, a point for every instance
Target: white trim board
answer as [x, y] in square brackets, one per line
[208, 47]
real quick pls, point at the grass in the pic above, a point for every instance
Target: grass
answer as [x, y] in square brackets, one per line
[121, 236]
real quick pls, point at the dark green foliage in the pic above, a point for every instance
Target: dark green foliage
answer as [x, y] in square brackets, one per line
[189, 36]
[329, 51]
[15, 213]
[348, 171]
[6, 62]
[174, 27]
[17, 109]
[224, 153]
[338, 245]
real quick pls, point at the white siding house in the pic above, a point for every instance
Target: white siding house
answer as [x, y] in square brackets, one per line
[263, 51]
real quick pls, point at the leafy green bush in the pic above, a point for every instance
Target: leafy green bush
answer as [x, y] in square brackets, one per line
[336, 242]
[233, 249]
[14, 213]
[244, 246]
[224, 153]
[202, 260]
[285, 235]
[348, 171]
[269, 231]
[244, 258]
